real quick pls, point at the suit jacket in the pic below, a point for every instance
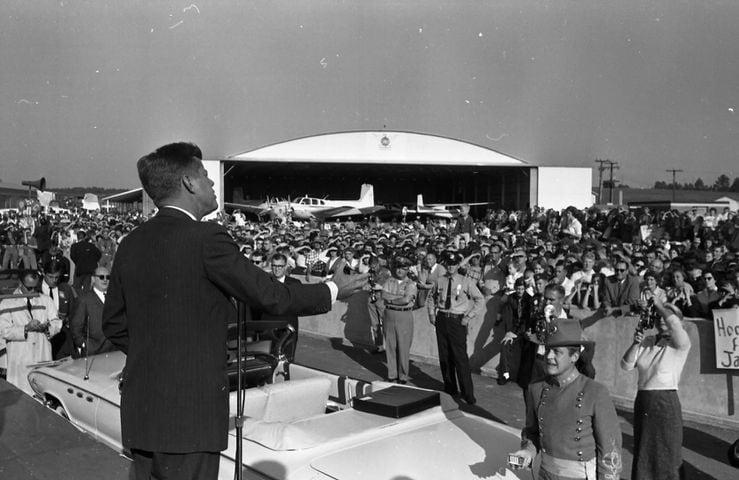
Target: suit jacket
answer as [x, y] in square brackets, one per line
[292, 319]
[66, 301]
[622, 296]
[426, 276]
[168, 307]
[516, 315]
[87, 325]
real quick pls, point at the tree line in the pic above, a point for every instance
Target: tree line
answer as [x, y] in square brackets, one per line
[722, 184]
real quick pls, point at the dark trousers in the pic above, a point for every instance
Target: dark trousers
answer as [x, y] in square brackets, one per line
[451, 338]
[510, 357]
[175, 466]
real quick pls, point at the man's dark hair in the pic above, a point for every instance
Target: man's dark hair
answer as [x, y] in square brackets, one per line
[160, 171]
[53, 266]
[279, 256]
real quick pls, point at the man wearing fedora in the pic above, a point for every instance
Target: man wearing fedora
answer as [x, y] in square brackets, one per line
[570, 419]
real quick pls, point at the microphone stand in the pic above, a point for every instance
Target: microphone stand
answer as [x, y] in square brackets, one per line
[239, 419]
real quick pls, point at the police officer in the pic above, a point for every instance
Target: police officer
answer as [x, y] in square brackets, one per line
[398, 296]
[570, 418]
[454, 301]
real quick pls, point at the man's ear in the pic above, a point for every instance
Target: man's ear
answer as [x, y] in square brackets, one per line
[188, 184]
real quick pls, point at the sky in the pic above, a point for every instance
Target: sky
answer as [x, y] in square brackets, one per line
[88, 87]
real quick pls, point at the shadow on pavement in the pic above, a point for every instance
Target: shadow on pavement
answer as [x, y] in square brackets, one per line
[479, 411]
[375, 363]
[695, 440]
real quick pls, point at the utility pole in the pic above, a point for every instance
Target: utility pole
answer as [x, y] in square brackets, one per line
[674, 171]
[600, 178]
[611, 166]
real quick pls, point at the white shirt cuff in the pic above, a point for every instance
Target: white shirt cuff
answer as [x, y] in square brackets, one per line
[334, 291]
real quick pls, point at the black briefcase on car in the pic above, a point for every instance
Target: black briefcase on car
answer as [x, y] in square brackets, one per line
[397, 402]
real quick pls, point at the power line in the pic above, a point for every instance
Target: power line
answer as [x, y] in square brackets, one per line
[600, 178]
[611, 166]
[674, 171]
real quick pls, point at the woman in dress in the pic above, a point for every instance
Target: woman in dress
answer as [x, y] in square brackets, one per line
[658, 428]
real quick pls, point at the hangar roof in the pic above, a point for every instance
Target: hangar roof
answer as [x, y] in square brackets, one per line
[379, 147]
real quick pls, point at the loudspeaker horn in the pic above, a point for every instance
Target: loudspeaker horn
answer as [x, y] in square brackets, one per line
[39, 184]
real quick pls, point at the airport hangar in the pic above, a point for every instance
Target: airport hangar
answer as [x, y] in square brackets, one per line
[399, 165]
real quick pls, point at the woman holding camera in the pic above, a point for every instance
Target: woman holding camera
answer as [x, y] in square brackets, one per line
[658, 429]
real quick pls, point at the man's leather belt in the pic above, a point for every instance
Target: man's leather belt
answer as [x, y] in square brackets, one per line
[451, 315]
[399, 309]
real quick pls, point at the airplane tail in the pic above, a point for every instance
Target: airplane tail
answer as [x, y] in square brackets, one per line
[419, 200]
[367, 195]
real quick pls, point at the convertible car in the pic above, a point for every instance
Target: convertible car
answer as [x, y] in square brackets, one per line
[301, 423]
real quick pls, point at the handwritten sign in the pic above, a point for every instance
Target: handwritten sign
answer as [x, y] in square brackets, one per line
[726, 330]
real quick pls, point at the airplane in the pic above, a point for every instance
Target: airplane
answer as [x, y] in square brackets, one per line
[440, 210]
[306, 208]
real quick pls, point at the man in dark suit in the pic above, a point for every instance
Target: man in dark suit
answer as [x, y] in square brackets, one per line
[622, 291]
[85, 256]
[65, 300]
[168, 308]
[279, 272]
[87, 321]
[55, 255]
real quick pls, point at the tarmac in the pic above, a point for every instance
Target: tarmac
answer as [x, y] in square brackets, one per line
[37, 444]
[704, 447]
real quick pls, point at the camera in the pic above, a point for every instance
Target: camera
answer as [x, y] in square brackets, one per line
[648, 317]
[516, 461]
[372, 283]
[544, 326]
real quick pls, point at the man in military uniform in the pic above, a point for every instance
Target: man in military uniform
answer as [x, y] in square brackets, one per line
[454, 301]
[570, 418]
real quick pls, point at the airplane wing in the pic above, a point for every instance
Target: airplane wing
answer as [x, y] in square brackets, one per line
[455, 205]
[372, 210]
[430, 212]
[253, 209]
[420, 203]
[347, 211]
[336, 212]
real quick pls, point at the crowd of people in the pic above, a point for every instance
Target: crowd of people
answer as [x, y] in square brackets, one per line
[659, 266]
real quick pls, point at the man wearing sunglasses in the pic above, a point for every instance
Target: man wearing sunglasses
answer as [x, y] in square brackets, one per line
[707, 298]
[87, 322]
[621, 292]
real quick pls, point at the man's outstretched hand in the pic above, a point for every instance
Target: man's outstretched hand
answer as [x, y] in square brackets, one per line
[349, 284]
